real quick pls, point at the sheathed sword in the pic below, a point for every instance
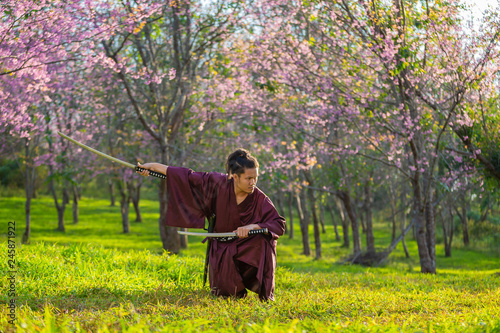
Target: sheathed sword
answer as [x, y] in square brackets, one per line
[223, 235]
[113, 159]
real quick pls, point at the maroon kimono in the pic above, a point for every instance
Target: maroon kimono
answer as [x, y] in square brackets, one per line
[246, 263]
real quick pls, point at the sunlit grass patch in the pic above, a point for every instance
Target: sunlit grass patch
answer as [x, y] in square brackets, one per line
[94, 278]
[89, 287]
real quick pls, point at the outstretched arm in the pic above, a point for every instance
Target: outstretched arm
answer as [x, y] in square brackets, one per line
[157, 167]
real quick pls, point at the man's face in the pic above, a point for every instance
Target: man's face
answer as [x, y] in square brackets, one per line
[247, 181]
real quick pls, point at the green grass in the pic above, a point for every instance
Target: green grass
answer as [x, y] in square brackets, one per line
[94, 278]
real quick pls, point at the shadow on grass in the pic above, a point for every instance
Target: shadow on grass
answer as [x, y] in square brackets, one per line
[98, 298]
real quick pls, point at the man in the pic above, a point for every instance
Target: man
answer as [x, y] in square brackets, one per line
[239, 206]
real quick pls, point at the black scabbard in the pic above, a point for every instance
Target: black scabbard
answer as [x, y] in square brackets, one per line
[211, 226]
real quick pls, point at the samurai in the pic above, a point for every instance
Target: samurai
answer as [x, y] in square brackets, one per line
[239, 264]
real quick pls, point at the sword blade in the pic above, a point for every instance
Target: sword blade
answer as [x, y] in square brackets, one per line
[208, 234]
[111, 158]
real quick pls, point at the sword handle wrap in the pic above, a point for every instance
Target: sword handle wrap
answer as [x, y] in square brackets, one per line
[151, 173]
[258, 231]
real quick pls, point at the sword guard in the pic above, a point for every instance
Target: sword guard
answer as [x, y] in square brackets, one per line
[152, 173]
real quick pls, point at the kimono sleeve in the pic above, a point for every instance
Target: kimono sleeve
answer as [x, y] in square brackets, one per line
[271, 220]
[191, 196]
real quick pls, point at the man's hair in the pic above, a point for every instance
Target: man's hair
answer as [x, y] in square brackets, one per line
[240, 160]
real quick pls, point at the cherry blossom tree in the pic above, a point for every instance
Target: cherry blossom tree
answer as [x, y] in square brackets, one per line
[392, 76]
[157, 58]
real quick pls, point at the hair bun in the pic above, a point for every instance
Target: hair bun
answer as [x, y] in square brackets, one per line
[239, 160]
[242, 153]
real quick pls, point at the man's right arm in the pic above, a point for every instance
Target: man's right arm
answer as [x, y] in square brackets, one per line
[157, 167]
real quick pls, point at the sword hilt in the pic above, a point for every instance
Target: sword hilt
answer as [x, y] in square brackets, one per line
[151, 173]
[262, 231]
[258, 231]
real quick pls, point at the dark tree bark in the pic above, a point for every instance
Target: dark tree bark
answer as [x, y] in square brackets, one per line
[312, 202]
[361, 219]
[76, 198]
[393, 245]
[334, 221]
[430, 225]
[160, 107]
[59, 207]
[322, 216]
[290, 216]
[447, 224]
[124, 209]
[393, 205]
[111, 187]
[29, 188]
[368, 203]
[124, 188]
[403, 219]
[317, 239]
[136, 197]
[345, 224]
[280, 199]
[356, 240]
[304, 222]
[462, 214]
[426, 263]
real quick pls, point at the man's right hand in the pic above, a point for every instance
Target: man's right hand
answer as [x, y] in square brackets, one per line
[146, 167]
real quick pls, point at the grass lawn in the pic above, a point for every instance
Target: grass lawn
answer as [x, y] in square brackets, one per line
[95, 278]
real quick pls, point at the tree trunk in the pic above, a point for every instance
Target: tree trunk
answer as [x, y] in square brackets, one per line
[27, 231]
[279, 199]
[451, 233]
[465, 226]
[136, 196]
[362, 220]
[290, 215]
[76, 198]
[394, 223]
[447, 230]
[317, 239]
[345, 225]
[322, 216]
[391, 248]
[403, 219]
[370, 239]
[334, 222]
[125, 205]
[314, 210]
[430, 224]
[426, 265]
[462, 214]
[29, 185]
[59, 207]
[124, 209]
[111, 186]
[346, 199]
[394, 209]
[60, 218]
[304, 222]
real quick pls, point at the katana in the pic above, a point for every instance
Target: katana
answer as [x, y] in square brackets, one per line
[113, 159]
[263, 231]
